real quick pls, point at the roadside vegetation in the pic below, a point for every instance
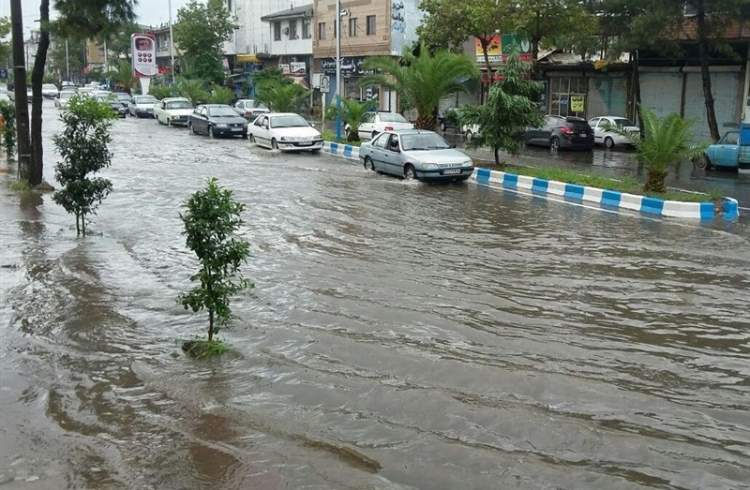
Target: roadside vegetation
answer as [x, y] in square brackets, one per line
[83, 146]
[211, 219]
[278, 92]
[351, 112]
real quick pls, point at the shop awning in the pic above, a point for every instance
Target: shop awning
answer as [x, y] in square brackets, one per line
[247, 58]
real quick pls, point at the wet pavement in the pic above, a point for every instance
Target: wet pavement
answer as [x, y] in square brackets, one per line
[400, 335]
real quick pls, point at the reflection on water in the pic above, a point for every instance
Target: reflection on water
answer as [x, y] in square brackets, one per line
[400, 336]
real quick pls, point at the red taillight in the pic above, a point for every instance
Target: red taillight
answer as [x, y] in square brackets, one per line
[566, 131]
[389, 128]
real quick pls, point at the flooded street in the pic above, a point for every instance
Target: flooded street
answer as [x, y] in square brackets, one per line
[399, 335]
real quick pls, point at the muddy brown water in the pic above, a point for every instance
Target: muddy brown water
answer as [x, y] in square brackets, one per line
[399, 336]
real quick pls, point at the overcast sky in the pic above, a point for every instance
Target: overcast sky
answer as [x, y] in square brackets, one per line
[151, 12]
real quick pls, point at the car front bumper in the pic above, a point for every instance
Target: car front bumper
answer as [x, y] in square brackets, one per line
[443, 175]
[297, 146]
[178, 120]
[144, 113]
[228, 132]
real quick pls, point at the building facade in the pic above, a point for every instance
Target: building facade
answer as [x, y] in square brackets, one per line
[368, 28]
[291, 49]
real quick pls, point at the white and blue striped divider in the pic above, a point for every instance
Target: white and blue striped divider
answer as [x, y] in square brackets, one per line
[727, 209]
[350, 152]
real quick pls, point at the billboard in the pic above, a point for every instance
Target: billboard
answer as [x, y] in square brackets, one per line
[143, 48]
[501, 46]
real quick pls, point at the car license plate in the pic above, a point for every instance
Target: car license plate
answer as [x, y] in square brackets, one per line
[236, 129]
[304, 143]
[452, 171]
[583, 135]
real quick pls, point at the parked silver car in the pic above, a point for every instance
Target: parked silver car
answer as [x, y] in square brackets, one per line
[415, 154]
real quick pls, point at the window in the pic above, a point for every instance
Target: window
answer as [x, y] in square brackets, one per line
[321, 30]
[305, 28]
[731, 139]
[371, 25]
[293, 29]
[353, 27]
[382, 140]
[335, 24]
[561, 89]
[277, 31]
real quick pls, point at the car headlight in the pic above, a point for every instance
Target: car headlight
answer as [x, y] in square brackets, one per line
[431, 166]
[222, 125]
[468, 163]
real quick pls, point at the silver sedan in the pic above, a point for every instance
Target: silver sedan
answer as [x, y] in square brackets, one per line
[415, 154]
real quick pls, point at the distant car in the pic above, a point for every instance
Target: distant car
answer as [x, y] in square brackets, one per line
[285, 131]
[142, 105]
[250, 108]
[61, 102]
[123, 98]
[607, 131]
[67, 84]
[85, 91]
[415, 154]
[173, 111]
[374, 123]
[724, 153]
[217, 120]
[561, 132]
[49, 90]
[111, 100]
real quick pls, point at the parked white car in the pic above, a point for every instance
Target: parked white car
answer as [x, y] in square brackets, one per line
[285, 131]
[142, 105]
[250, 108]
[173, 111]
[606, 130]
[374, 123]
[61, 102]
[49, 90]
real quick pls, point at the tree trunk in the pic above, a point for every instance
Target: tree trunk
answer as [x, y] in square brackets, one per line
[78, 224]
[700, 18]
[21, 102]
[497, 155]
[655, 181]
[636, 66]
[426, 121]
[210, 325]
[37, 78]
[485, 43]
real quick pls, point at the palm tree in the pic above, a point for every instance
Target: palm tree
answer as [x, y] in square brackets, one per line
[422, 80]
[351, 112]
[666, 142]
[282, 96]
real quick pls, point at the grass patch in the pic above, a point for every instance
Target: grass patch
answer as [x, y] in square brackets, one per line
[203, 349]
[625, 184]
[329, 135]
[19, 186]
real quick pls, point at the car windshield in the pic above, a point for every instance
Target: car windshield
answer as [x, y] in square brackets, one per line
[222, 111]
[179, 104]
[423, 141]
[49, 86]
[623, 122]
[145, 99]
[123, 96]
[392, 117]
[289, 121]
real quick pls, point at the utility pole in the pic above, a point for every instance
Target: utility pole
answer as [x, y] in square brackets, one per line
[67, 62]
[337, 25]
[21, 100]
[171, 40]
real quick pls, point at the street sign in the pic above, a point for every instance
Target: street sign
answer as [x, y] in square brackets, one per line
[325, 84]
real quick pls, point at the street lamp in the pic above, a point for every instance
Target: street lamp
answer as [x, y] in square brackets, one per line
[171, 39]
[339, 14]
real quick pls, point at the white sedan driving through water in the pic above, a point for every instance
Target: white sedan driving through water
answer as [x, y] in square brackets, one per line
[173, 111]
[285, 131]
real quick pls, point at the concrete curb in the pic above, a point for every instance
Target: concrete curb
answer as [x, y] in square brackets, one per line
[350, 152]
[728, 209]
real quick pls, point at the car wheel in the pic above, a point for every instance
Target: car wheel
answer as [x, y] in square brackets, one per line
[211, 132]
[702, 163]
[191, 128]
[409, 173]
[554, 143]
[274, 144]
[609, 143]
[368, 164]
[251, 138]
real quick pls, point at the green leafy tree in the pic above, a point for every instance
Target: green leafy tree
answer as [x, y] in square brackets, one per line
[83, 146]
[220, 95]
[193, 90]
[422, 80]
[5, 50]
[351, 112]
[212, 218]
[161, 91]
[665, 143]
[122, 77]
[448, 23]
[282, 96]
[510, 108]
[8, 113]
[200, 31]
[57, 60]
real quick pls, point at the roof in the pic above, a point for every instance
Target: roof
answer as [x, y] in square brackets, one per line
[303, 11]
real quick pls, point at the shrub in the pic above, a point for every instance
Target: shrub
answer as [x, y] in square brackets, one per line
[83, 148]
[211, 219]
[192, 90]
[220, 95]
[8, 112]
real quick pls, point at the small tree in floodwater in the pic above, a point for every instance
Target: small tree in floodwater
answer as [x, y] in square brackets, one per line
[83, 147]
[211, 219]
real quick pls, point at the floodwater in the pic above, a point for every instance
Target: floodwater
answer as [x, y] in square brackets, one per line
[399, 335]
